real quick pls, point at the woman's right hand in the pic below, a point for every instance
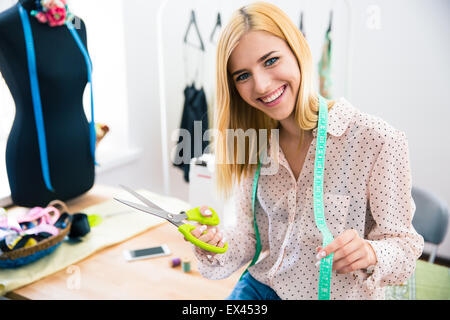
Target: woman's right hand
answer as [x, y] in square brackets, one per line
[213, 236]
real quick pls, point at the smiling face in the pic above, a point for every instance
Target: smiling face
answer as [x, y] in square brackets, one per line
[266, 73]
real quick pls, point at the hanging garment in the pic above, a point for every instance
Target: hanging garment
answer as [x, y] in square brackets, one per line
[325, 65]
[301, 25]
[195, 109]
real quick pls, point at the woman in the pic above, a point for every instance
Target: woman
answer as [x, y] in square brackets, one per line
[264, 81]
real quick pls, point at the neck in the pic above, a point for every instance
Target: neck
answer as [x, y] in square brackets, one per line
[291, 131]
[28, 4]
[290, 128]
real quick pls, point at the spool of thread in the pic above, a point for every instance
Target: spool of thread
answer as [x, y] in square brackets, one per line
[175, 262]
[186, 265]
[80, 225]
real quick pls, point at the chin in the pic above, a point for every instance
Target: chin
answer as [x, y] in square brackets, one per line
[281, 114]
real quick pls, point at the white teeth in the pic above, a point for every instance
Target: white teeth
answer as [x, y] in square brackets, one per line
[274, 96]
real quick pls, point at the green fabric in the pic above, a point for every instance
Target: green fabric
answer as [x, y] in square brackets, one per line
[429, 282]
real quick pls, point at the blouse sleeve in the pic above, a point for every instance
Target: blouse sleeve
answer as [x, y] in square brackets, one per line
[240, 237]
[395, 241]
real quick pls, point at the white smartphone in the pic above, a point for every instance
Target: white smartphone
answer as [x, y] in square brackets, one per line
[152, 252]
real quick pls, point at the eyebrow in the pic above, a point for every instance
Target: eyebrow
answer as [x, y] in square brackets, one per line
[259, 60]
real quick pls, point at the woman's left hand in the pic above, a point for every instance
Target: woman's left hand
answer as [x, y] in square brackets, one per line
[351, 252]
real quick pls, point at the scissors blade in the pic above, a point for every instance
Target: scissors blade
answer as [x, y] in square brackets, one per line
[142, 198]
[159, 213]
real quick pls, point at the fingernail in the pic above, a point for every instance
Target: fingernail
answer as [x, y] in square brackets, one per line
[203, 228]
[321, 255]
[318, 263]
[207, 212]
[223, 240]
[213, 230]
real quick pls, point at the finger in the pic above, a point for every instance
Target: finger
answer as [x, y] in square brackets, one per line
[197, 232]
[217, 238]
[222, 242]
[346, 250]
[217, 241]
[208, 236]
[204, 210]
[357, 265]
[337, 243]
[348, 260]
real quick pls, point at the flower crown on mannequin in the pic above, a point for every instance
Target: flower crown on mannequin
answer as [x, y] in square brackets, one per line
[53, 12]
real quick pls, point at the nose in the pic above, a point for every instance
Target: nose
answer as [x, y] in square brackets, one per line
[262, 83]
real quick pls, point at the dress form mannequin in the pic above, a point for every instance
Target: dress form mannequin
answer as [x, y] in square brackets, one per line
[62, 76]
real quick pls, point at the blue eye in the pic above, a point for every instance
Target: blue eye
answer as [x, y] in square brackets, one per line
[271, 61]
[242, 77]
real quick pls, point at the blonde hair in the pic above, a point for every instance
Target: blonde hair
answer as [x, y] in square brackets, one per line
[232, 112]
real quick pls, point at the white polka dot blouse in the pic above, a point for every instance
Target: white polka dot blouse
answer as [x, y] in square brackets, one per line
[367, 187]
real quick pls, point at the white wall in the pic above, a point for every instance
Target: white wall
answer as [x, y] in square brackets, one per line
[402, 74]
[143, 99]
[107, 49]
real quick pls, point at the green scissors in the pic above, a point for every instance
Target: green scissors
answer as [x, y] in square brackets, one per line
[177, 219]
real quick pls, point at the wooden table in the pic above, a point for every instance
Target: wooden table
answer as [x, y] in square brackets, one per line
[107, 275]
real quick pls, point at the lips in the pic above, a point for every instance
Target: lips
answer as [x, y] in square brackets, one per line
[274, 97]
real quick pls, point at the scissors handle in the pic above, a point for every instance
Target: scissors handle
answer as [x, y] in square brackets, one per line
[196, 215]
[186, 229]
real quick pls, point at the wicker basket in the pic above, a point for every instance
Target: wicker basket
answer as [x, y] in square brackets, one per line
[23, 256]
